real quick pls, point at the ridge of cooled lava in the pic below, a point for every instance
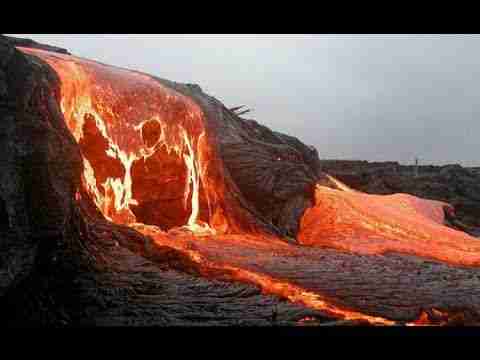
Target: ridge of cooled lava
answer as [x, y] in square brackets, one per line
[229, 199]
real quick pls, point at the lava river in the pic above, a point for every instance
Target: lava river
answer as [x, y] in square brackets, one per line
[151, 162]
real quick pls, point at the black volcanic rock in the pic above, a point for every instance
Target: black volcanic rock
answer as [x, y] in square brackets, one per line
[32, 44]
[275, 173]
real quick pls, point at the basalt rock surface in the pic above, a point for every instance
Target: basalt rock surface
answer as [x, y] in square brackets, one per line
[68, 257]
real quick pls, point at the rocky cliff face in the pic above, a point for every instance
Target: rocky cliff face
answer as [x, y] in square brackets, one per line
[127, 199]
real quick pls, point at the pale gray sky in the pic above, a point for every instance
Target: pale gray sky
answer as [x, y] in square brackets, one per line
[372, 97]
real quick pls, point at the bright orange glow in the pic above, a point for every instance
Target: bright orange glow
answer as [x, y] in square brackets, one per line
[210, 263]
[306, 319]
[376, 224]
[435, 317]
[104, 104]
[150, 163]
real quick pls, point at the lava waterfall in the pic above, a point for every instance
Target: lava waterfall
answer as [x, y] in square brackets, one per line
[145, 150]
[168, 174]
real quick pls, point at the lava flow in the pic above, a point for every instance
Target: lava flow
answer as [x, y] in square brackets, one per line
[150, 162]
[376, 224]
[143, 146]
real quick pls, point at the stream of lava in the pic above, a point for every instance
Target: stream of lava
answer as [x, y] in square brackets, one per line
[148, 164]
[362, 223]
[126, 123]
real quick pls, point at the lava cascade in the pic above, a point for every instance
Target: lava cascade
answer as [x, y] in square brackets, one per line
[149, 163]
[145, 153]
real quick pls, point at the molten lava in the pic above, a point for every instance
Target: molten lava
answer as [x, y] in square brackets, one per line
[150, 163]
[138, 139]
[376, 224]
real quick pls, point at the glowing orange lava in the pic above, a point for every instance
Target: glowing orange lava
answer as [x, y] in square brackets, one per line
[376, 224]
[437, 318]
[105, 104]
[149, 163]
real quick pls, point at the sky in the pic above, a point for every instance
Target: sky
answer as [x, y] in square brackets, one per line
[364, 97]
